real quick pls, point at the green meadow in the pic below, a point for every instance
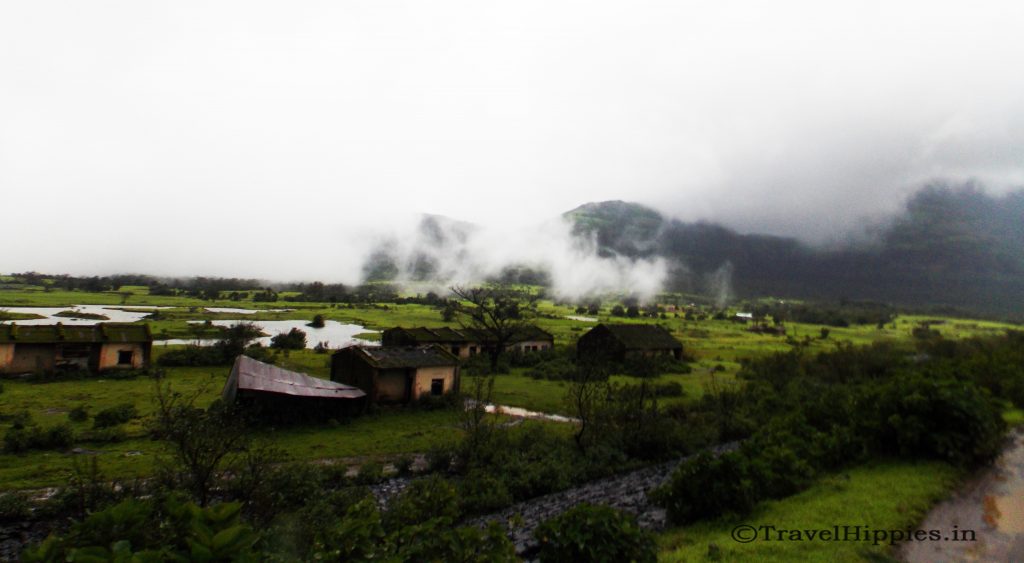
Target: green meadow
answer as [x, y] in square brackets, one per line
[881, 494]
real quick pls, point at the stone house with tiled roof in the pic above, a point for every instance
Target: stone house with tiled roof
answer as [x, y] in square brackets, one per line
[99, 347]
[618, 342]
[466, 342]
[397, 374]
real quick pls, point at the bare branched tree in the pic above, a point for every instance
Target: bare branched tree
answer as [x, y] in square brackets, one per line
[201, 439]
[497, 313]
[586, 392]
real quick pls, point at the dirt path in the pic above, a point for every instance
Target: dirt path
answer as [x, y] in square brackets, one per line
[991, 504]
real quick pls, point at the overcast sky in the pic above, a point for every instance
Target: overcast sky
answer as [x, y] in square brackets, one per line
[271, 139]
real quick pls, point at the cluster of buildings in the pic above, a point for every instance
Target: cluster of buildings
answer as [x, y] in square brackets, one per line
[409, 365]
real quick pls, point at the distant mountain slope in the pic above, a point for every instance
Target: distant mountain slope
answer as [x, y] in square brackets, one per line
[955, 246]
[619, 227]
[952, 246]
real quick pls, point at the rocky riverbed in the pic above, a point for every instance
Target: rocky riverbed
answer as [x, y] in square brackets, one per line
[627, 491]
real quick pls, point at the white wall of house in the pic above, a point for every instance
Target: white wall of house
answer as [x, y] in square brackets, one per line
[110, 354]
[426, 376]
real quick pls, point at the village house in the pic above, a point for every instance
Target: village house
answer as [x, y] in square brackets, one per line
[279, 393]
[99, 347]
[467, 342]
[618, 342]
[397, 374]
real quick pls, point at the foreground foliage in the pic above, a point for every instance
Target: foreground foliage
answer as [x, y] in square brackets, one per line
[594, 533]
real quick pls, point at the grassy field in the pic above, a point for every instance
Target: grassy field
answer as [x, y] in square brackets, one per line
[717, 346]
[883, 496]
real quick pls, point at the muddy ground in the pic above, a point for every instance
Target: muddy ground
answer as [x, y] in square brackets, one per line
[991, 504]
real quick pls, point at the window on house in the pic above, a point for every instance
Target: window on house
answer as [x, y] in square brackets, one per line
[436, 387]
[455, 350]
[124, 358]
[472, 350]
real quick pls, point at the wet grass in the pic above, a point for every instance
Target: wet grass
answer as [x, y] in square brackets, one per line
[717, 346]
[887, 495]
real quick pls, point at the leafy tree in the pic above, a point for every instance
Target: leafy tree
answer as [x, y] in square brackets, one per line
[201, 439]
[294, 339]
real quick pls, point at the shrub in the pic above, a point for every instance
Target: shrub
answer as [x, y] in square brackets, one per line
[481, 492]
[370, 472]
[558, 369]
[439, 459]
[438, 540]
[35, 438]
[294, 339]
[594, 533]
[361, 533]
[317, 322]
[161, 531]
[922, 415]
[108, 434]
[653, 366]
[403, 465]
[79, 414]
[708, 486]
[115, 415]
[14, 506]
[424, 499]
[192, 356]
[21, 420]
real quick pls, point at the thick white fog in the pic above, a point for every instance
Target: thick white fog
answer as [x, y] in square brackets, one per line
[280, 140]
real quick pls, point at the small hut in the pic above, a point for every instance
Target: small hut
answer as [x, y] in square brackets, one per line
[399, 374]
[278, 393]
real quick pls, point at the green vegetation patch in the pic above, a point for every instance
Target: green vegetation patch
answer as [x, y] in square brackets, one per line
[882, 495]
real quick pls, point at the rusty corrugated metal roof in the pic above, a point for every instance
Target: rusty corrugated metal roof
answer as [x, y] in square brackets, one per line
[253, 375]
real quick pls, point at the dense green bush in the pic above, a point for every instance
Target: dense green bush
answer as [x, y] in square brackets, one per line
[653, 366]
[557, 369]
[439, 540]
[424, 499]
[14, 506]
[118, 414]
[78, 414]
[153, 530]
[36, 438]
[925, 416]
[480, 492]
[294, 339]
[708, 486]
[192, 356]
[588, 533]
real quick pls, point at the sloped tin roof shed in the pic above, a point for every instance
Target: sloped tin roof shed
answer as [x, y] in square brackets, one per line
[252, 376]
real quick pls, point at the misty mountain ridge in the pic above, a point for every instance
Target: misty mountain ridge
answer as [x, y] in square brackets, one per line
[951, 245]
